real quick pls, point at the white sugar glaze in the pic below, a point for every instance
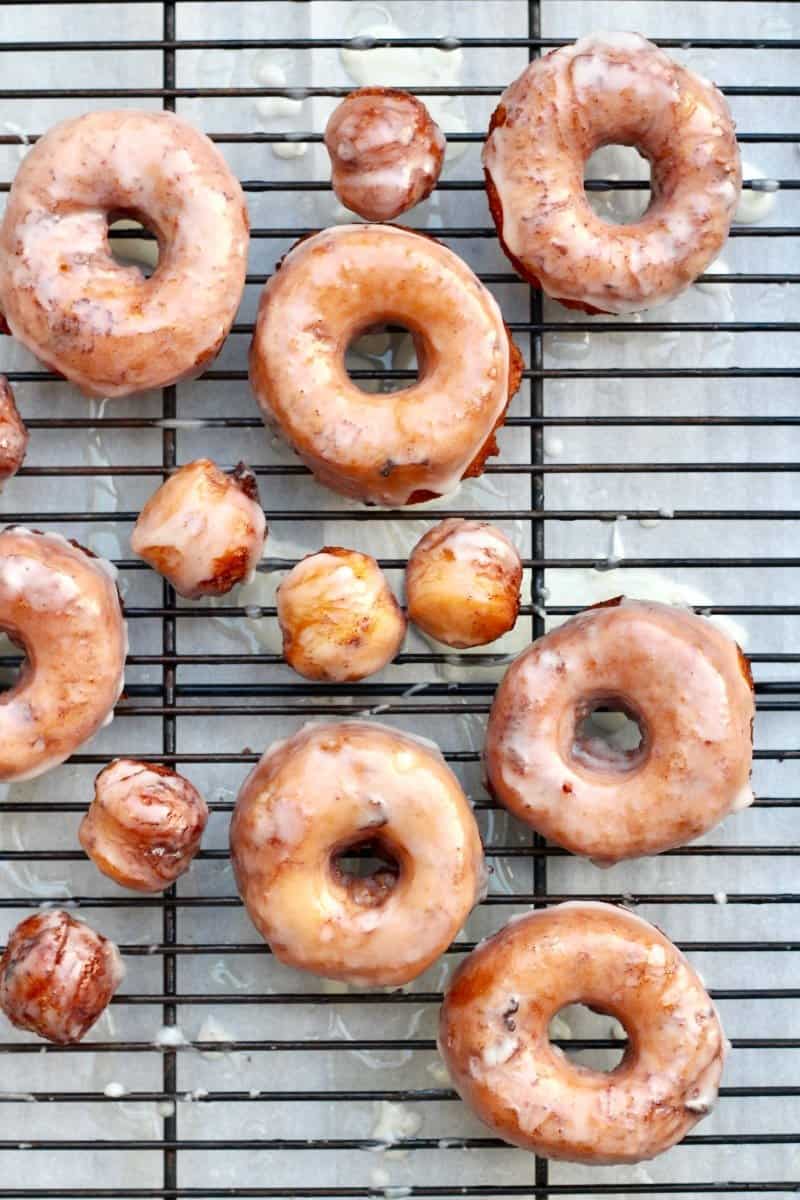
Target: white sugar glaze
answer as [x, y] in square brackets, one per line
[611, 88]
[332, 786]
[494, 1035]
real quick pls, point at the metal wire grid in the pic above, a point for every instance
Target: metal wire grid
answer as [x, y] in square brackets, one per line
[170, 699]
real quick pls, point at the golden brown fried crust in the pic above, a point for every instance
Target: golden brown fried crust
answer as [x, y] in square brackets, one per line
[496, 209]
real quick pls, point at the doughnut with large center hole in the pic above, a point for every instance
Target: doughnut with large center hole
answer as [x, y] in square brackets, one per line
[101, 324]
[611, 89]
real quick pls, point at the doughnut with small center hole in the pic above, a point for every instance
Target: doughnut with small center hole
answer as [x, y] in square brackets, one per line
[335, 787]
[102, 325]
[493, 1035]
[383, 448]
[685, 683]
[60, 604]
[611, 88]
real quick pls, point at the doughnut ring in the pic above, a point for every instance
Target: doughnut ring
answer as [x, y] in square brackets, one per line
[385, 448]
[102, 325]
[685, 684]
[611, 88]
[60, 603]
[493, 1035]
[325, 791]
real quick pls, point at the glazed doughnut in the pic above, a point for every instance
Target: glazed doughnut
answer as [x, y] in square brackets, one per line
[13, 434]
[57, 976]
[144, 826]
[383, 448]
[386, 152]
[611, 88]
[493, 1035]
[105, 326]
[463, 582]
[203, 530]
[323, 792]
[60, 604]
[338, 616]
[685, 684]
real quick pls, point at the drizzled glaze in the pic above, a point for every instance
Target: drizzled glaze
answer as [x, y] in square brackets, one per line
[61, 604]
[493, 1036]
[203, 530]
[689, 688]
[338, 616]
[57, 976]
[13, 434]
[611, 88]
[331, 787]
[395, 448]
[463, 582]
[105, 326]
[144, 826]
[386, 152]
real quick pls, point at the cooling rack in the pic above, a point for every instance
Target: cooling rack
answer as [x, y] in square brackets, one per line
[659, 453]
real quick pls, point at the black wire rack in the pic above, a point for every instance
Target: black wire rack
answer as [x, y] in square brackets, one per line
[170, 688]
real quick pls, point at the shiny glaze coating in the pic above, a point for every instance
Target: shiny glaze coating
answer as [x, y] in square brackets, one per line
[105, 326]
[61, 605]
[463, 582]
[493, 1035]
[203, 530]
[689, 689]
[386, 152]
[57, 976]
[338, 616]
[383, 448]
[330, 788]
[611, 88]
[13, 434]
[144, 826]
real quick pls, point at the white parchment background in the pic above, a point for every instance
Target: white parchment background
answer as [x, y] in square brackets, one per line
[235, 975]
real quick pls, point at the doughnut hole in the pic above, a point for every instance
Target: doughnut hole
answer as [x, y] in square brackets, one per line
[611, 164]
[382, 348]
[339, 619]
[608, 735]
[463, 583]
[367, 869]
[132, 243]
[582, 1023]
